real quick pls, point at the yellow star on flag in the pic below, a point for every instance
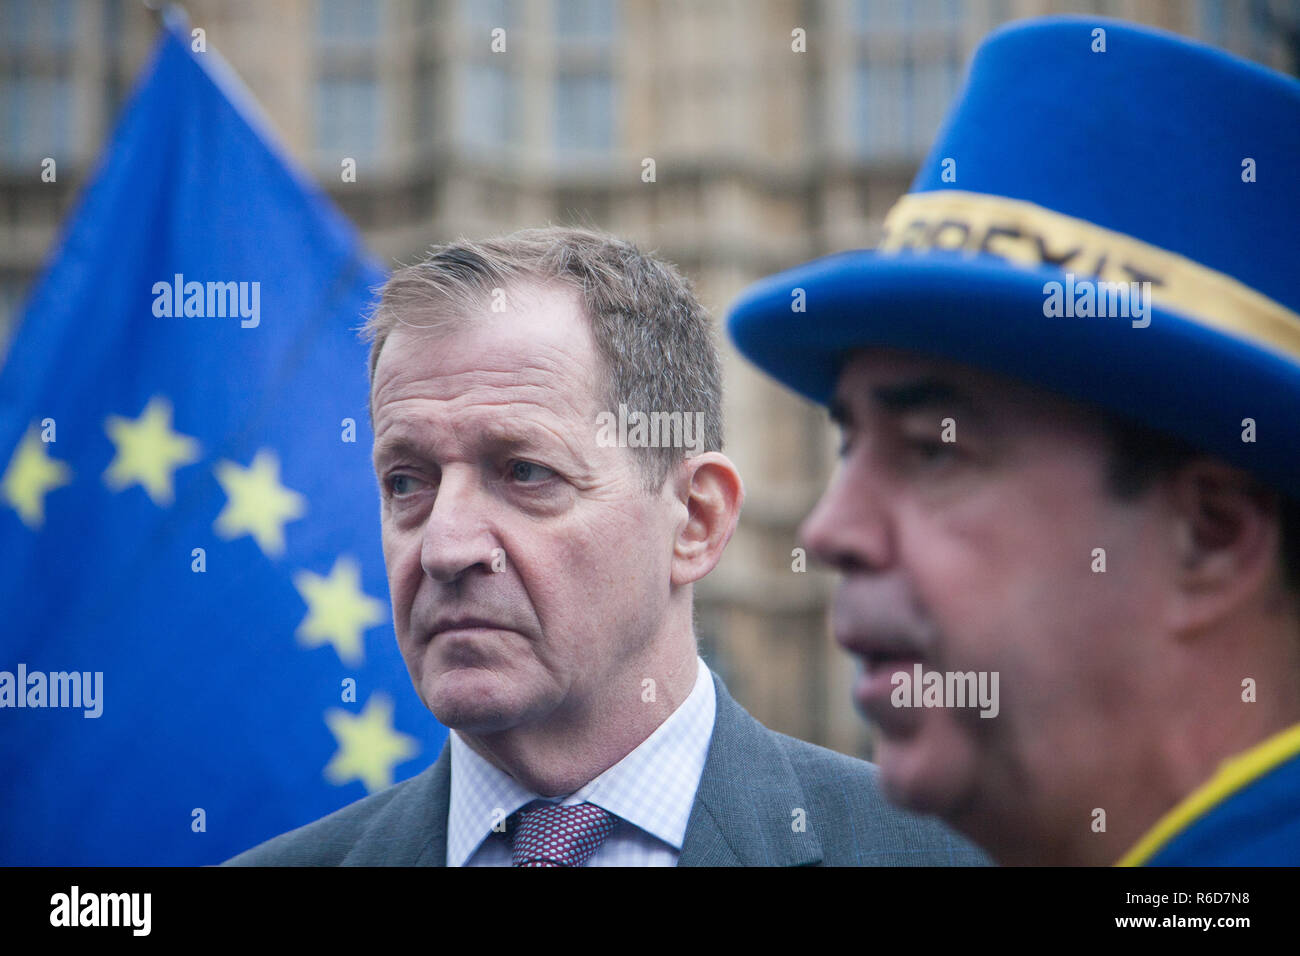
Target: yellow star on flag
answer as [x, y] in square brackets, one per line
[32, 474]
[369, 747]
[148, 451]
[339, 612]
[258, 504]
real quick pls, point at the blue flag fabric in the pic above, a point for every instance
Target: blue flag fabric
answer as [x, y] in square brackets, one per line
[196, 650]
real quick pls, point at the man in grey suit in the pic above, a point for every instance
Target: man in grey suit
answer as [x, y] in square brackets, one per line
[548, 441]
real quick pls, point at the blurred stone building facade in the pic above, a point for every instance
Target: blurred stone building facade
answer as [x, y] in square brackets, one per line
[764, 157]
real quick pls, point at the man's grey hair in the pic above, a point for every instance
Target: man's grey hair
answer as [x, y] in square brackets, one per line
[655, 340]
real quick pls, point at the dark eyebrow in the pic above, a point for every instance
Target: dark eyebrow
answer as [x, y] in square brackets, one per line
[911, 396]
[921, 394]
[516, 439]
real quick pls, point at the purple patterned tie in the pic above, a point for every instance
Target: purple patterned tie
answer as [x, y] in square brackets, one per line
[553, 835]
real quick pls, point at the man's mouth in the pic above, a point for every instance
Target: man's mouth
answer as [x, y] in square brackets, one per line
[463, 630]
[881, 658]
[877, 662]
[466, 624]
[878, 670]
[882, 651]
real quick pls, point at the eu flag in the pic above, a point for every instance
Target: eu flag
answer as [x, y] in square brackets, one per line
[196, 647]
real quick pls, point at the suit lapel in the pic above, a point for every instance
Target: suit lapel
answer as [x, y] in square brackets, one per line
[411, 830]
[743, 811]
[745, 805]
[434, 851]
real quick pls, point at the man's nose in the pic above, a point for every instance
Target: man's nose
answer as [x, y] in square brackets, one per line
[850, 528]
[457, 534]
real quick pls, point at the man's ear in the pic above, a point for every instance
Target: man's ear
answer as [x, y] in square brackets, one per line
[1227, 538]
[710, 487]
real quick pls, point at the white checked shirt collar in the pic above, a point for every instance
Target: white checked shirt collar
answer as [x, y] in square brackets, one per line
[653, 787]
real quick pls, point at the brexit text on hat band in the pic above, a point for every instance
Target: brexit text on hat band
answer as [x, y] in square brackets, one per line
[1025, 235]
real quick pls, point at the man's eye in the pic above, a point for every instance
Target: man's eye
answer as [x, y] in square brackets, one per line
[930, 451]
[401, 485]
[528, 472]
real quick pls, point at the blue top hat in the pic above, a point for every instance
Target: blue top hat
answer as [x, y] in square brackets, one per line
[1083, 156]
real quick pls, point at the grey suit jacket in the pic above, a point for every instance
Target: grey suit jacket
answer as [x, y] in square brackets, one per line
[745, 814]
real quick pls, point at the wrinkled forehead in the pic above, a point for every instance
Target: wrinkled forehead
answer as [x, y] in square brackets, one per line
[534, 338]
[520, 378]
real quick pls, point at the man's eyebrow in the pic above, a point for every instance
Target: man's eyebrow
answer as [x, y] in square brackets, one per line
[903, 397]
[921, 394]
[395, 446]
[514, 439]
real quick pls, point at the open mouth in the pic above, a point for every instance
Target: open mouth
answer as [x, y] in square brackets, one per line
[876, 661]
[874, 691]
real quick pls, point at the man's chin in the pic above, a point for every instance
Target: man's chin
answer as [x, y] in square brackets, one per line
[473, 701]
[918, 775]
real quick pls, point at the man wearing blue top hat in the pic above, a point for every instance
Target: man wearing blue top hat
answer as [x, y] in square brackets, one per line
[1068, 390]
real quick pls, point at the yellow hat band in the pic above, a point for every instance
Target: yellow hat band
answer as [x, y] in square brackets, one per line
[1030, 236]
